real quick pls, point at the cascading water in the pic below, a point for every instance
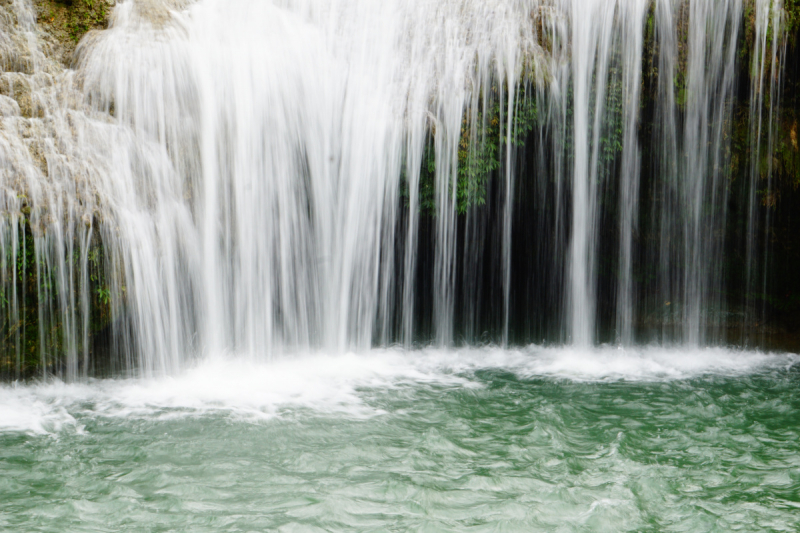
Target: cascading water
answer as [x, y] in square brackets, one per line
[398, 265]
[267, 176]
[769, 53]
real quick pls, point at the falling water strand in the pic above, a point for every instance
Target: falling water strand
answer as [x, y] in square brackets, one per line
[264, 177]
[632, 34]
[288, 148]
[764, 91]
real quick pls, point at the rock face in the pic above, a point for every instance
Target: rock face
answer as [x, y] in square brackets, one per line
[48, 27]
[66, 22]
[42, 180]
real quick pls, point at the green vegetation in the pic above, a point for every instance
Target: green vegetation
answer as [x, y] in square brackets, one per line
[67, 21]
[481, 151]
[79, 16]
[32, 336]
[792, 19]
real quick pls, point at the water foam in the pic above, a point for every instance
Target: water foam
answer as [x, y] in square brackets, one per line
[247, 389]
[36, 409]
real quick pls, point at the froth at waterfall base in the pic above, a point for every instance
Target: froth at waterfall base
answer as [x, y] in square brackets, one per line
[534, 439]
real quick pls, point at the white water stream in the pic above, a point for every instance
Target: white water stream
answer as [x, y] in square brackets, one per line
[252, 167]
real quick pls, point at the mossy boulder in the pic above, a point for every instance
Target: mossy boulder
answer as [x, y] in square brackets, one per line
[67, 21]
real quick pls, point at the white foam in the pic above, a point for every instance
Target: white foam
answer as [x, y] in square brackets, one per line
[259, 389]
[648, 363]
[248, 389]
[603, 363]
[35, 410]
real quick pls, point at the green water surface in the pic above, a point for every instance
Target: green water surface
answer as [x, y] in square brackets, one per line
[490, 450]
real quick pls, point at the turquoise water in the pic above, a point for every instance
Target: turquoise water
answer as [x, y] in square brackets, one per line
[477, 440]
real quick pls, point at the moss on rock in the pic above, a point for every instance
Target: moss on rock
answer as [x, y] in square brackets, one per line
[67, 21]
[33, 335]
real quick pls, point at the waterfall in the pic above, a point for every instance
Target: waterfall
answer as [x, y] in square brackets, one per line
[269, 176]
[768, 53]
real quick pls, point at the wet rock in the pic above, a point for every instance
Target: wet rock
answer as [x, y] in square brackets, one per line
[8, 107]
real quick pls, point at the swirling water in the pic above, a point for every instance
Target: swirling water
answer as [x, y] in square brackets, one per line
[483, 439]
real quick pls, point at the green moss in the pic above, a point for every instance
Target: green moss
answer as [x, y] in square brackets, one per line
[69, 20]
[32, 334]
[480, 152]
[791, 10]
